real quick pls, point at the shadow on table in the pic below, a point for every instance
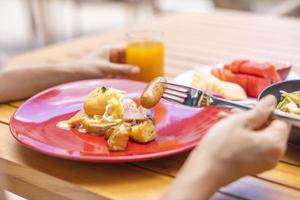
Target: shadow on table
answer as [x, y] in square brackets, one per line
[292, 155]
[169, 166]
[97, 175]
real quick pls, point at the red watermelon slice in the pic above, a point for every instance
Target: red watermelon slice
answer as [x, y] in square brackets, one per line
[283, 69]
[252, 76]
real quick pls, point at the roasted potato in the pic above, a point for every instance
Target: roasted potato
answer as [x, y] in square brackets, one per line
[143, 132]
[118, 137]
[110, 131]
[152, 93]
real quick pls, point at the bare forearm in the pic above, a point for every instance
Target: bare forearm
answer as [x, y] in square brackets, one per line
[196, 181]
[23, 82]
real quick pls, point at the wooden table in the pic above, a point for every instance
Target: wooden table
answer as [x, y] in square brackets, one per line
[191, 39]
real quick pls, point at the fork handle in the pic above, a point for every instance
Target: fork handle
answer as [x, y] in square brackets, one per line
[278, 114]
[223, 102]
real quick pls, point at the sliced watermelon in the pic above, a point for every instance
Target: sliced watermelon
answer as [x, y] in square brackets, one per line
[252, 76]
[261, 69]
[255, 85]
[235, 65]
[266, 70]
[283, 69]
[240, 79]
[257, 69]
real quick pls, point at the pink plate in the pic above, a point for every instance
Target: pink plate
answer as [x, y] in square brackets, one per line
[179, 128]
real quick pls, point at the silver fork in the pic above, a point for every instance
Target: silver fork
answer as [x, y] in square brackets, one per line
[197, 98]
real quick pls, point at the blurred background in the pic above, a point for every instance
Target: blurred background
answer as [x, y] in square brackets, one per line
[29, 24]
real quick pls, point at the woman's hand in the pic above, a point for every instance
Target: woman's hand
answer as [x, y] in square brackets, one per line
[22, 81]
[107, 62]
[97, 68]
[245, 143]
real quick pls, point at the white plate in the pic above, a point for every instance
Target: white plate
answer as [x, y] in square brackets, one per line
[185, 78]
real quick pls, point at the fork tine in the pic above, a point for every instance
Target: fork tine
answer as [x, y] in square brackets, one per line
[181, 94]
[176, 90]
[172, 100]
[178, 94]
[176, 85]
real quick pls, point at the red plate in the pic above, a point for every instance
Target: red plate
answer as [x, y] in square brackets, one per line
[179, 128]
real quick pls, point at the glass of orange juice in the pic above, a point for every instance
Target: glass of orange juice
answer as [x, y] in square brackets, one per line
[145, 49]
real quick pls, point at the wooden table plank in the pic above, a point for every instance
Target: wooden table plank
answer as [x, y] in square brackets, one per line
[6, 112]
[220, 196]
[292, 156]
[283, 173]
[32, 184]
[16, 103]
[253, 188]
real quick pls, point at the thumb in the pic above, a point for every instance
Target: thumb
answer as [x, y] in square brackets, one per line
[260, 114]
[114, 69]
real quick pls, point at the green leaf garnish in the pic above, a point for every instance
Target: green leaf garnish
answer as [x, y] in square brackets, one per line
[103, 89]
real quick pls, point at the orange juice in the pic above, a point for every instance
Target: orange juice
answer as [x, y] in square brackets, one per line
[149, 56]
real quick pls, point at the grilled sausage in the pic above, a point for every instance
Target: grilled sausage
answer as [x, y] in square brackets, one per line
[152, 93]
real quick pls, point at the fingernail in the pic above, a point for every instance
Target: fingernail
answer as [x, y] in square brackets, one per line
[269, 100]
[135, 70]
